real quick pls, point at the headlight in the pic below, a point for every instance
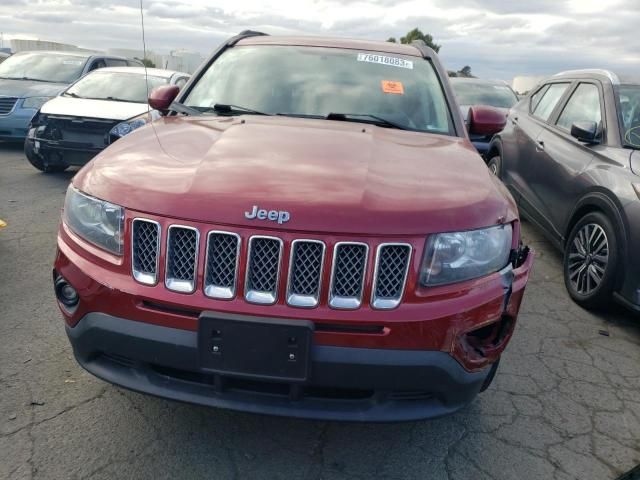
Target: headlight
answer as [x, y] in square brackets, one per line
[35, 102]
[96, 221]
[454, 257]
[125, 128]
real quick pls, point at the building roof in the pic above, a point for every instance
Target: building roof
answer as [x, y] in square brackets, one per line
[59, 52]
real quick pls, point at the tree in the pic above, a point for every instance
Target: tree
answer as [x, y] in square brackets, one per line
[392, 39]
[416, 34]
[147, 62]
[465, 71]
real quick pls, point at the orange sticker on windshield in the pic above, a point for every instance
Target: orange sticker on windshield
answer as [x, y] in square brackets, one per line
[389, 86]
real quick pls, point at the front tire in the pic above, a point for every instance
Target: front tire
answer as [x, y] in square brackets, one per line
[591, 261]
[40, 162]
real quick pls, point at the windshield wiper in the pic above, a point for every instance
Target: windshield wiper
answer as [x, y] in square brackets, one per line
[71, 94]
[231, 109]
[27, 78]
[116, 99]
[383, 122]
[182, 108]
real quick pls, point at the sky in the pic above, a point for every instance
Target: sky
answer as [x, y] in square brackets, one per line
[496, 38]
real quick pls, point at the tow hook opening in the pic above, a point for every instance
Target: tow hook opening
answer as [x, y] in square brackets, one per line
[483, 342]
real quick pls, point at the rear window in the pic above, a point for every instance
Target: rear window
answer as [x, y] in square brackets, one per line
[548, 101]
[491, 94]
[315, 81]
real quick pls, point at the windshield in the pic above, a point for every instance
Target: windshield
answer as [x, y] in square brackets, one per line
[125, 87]
[43, 66]
[475, 93]
[314, 81]
[629, 99]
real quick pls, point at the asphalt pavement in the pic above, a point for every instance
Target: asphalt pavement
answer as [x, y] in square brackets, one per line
[565, 403]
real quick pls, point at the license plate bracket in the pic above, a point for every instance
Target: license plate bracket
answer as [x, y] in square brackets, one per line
[255, 347]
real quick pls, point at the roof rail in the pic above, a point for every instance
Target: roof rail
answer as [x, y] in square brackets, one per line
[594, 71]
[244, 34]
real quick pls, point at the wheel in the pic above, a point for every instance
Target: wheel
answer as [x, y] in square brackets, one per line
[591, 261]
[40, 162]
[495, 165]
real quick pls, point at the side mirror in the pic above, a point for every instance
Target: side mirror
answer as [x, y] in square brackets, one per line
[585, 131]
[161, 98]
[485, 120]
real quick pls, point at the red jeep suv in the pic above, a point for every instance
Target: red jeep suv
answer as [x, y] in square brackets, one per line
[307, 231]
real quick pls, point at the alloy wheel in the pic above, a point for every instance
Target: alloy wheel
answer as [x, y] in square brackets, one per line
[588, 258]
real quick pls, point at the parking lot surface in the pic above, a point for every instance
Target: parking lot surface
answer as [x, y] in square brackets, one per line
[565, 403]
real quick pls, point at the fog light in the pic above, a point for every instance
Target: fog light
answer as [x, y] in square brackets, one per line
[65, 292]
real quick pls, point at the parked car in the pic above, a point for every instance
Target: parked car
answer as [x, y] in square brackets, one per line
[92, 113]
[475, 91]
[29, 79]
[307, 232]
[570, 156]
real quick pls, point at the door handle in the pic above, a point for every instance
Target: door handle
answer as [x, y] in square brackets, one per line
[540, 146]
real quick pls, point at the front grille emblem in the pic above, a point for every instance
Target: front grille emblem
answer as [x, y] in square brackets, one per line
[279, 216]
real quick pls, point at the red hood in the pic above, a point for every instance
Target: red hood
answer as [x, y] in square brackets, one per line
[330, 176]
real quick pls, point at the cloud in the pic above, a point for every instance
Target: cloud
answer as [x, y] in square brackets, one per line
[497, 38]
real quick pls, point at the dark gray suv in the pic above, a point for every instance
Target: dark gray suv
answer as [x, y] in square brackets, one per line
[569, 154]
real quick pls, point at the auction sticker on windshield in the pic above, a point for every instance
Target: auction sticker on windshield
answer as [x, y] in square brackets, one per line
[384, 60]
[389, 86]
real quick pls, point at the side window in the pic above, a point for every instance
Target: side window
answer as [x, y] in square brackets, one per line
[583, 106]
[116, 62]
[549, 100]
[535, 98]
[97, 63]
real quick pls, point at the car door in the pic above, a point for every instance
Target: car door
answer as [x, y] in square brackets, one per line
[526, 175]
[562, 158]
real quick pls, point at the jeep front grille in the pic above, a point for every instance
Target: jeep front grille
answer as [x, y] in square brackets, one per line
[392, 265]
[263, 270]
[261, 263]
[305, 273]
[145, 241]
[221, 270]
[182, 254]
[347, 275]
[7, 104]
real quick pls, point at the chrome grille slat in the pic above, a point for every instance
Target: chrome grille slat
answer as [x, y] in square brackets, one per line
[347, 274]
[390, 275]
[7, 104]
[182, 255]
[221, 272]
[145, 253]
[304, 283]
[263, 270]
[305, 273]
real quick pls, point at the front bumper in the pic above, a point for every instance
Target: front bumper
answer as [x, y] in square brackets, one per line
[15, 125]
[58, 152]
[426, 358]
[355, 384]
